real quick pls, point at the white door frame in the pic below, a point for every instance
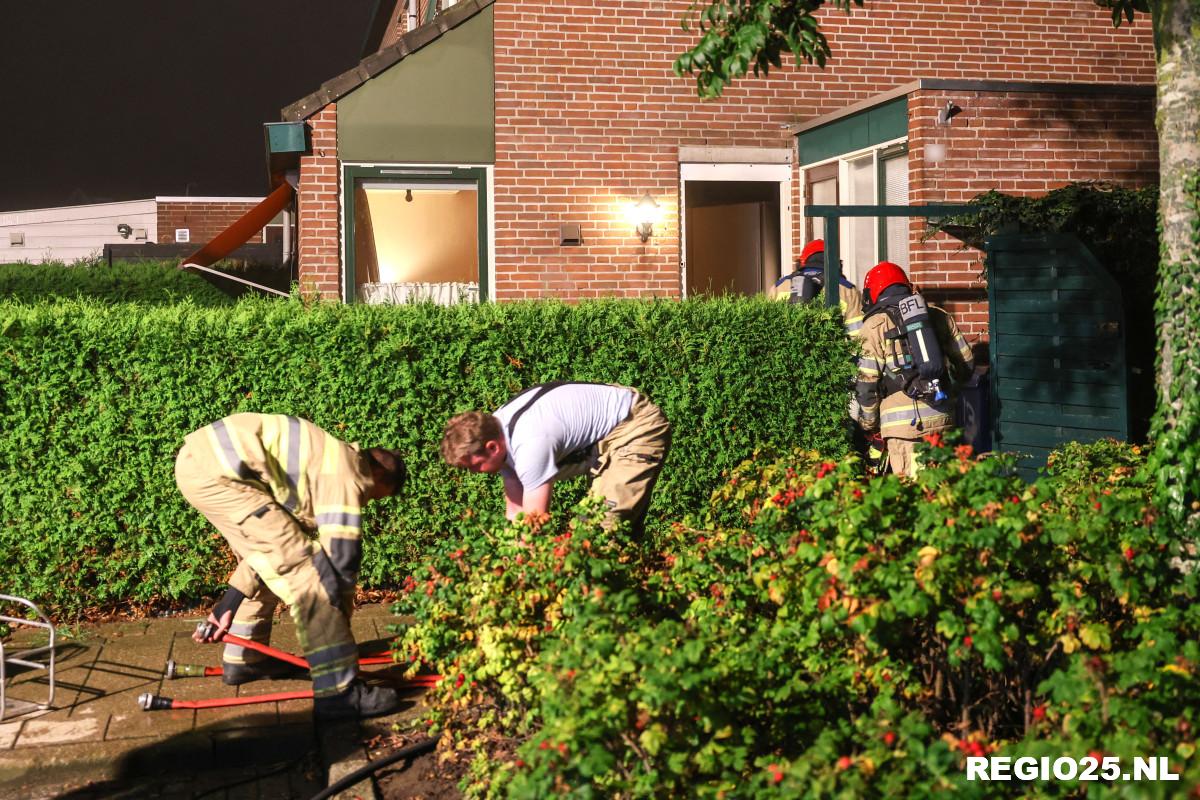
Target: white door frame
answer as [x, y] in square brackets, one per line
[775, 173]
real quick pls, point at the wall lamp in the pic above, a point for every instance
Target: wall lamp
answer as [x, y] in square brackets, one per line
[644, 214]
[944, 115]
[124, 230]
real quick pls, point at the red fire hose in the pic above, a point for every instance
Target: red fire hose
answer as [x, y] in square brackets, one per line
[153, 702]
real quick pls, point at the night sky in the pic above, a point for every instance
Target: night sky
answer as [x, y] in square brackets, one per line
[126, 99]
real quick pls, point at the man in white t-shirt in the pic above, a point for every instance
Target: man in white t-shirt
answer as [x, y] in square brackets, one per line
[560, 430]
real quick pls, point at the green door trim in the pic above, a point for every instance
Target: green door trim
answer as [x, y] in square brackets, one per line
[401, 173]
[833, 237]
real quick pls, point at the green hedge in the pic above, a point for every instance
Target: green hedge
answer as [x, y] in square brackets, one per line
[154, 282]
[97, 398]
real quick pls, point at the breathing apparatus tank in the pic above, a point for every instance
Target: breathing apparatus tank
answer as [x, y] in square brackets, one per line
[910, 316]
[923, 344]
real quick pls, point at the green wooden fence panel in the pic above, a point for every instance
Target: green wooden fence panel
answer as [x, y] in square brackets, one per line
[1057, 326]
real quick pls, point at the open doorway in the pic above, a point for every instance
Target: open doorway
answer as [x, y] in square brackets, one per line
[734, 227]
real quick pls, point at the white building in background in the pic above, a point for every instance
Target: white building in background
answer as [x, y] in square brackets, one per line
[71, 233]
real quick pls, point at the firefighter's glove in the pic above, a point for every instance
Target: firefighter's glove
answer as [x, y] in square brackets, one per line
[220, 618]
[875, 447]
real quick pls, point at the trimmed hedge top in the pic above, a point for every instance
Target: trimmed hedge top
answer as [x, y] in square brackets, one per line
[97, 399]
[153, 282]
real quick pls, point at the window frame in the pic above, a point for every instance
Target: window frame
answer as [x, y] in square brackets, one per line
[480, 175]
[881, 152]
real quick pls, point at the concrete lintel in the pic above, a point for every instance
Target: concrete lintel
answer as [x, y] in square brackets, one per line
[701, 154]
[950, 85]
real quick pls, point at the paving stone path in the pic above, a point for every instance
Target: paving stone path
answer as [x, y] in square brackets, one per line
[96, 742]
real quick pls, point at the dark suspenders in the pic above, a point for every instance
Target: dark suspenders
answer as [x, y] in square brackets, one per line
[538, 391]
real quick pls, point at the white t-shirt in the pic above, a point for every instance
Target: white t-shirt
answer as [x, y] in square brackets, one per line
[555, 424]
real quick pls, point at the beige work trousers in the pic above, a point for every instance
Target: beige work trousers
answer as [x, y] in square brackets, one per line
[902, 457]
[272, 542]
[629, 461]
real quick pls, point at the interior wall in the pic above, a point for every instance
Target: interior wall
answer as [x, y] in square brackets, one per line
[732, 231]
[433, 238]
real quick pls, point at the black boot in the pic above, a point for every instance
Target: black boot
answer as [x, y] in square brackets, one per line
[237, 674]
[357, 702]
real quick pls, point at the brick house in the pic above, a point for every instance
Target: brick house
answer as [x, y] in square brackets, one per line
[526, 131]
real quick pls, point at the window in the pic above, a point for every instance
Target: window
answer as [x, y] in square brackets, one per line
[877, 176]
[415, 234]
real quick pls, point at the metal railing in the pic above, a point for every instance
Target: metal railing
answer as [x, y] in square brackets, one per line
[25, 658]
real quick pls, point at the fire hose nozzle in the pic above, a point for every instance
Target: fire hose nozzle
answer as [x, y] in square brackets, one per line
[152, 702]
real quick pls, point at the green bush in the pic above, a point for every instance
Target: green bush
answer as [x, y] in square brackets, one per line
[153, 282]
[98, 398]
[849, 638]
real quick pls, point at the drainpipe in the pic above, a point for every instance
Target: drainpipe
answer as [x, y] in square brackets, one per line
[412, 15]
[287, 237]
[292, 176]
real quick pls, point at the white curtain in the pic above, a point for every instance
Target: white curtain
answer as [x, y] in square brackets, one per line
[444, 294]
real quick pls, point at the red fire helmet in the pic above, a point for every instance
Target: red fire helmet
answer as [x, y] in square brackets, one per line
[879, 278]
[811, 249]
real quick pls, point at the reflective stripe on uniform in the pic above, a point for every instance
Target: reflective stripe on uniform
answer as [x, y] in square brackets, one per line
[332, 668]
[917, 418]
[226, 450]
[868, 365]
[330, 518]
[258, 630]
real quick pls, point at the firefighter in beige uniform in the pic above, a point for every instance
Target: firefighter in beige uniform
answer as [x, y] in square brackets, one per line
[266, 482]
[560, 430]
[912, 355]
[808, 281]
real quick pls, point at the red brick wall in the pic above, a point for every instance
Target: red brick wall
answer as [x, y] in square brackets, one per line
[317, 204]
[589, 114]
[204, 220]
[1024, 143]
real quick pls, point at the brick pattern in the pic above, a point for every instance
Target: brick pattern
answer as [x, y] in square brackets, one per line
[204, 220]
[317, 204]
[1023, 143]
[590, 115]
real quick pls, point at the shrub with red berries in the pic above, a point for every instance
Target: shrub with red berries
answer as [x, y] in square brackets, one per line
[817, 632]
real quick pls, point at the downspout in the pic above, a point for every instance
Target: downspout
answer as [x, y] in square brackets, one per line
[413, 16]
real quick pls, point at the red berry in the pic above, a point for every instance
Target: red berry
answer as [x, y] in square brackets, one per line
[1129, 554]
[1096, 505]
[844, 762]
[1039, 712]
[776, 773]
[889, 738]
[997, 595]
[544, 745]
[858, 494]
[519, 763]
[967, 641]
[563, 749]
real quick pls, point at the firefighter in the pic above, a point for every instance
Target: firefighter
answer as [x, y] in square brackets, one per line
[268, 482]
[912, 356]
[808, 281]
[560, 430]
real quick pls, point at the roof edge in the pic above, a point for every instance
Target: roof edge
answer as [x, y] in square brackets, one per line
[956, 85]
[341, 85]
